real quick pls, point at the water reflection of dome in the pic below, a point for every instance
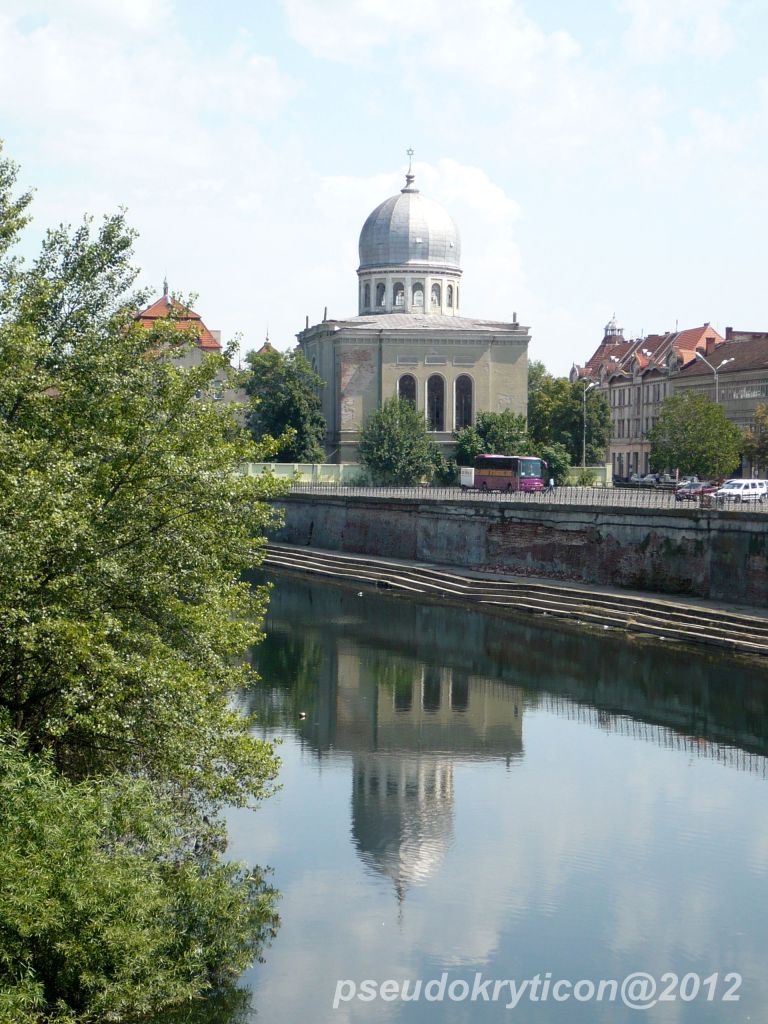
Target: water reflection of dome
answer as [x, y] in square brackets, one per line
[402, 815]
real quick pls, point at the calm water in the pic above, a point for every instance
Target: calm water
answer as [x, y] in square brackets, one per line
[472, 795]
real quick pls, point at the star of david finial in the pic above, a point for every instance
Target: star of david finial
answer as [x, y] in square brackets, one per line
[410, 175]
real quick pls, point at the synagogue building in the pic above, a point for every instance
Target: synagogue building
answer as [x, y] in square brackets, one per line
[410, 337]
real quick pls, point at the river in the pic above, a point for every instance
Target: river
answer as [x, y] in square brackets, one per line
[468, 799]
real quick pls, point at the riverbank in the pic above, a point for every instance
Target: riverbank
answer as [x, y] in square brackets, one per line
[718, 555]
[682, 621]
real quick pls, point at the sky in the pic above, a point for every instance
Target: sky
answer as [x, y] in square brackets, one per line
[598, 157]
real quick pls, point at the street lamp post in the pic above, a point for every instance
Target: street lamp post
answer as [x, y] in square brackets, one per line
[584, 430]
[715, 370]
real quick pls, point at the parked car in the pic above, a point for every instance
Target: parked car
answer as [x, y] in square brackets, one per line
[657, 480]
[693, 490]
[741, 490]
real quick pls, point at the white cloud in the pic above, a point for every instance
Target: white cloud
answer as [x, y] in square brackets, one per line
[494, 64]
[662, 28]
[115, 104]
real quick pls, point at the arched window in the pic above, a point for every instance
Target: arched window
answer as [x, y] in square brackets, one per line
[449, 296]
[436, 296]
[380, 294]
[463, 402]
[398, 294]
[406, 388]
[417, 295]
[367, 297]
[436, 403]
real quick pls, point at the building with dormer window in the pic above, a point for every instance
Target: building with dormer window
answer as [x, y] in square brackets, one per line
[635, 377]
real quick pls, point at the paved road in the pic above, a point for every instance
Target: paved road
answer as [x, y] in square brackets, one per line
[622, 497]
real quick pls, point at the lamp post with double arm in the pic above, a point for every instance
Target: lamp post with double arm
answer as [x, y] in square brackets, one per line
[715, 370]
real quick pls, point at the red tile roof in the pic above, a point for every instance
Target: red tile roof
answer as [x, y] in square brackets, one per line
[749, 354]
[161, 309]
[650, 352]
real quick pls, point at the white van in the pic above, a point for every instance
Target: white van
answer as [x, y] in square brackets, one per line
[741, 490]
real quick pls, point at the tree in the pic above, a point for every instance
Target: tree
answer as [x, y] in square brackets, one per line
[556, 415]
[537, 375]
[693, 435]
[496, 433]
[286, 404]
[395, 446]
[123, 619]
[557, 459]
[756, 439]
[106, 905]
[469, 444]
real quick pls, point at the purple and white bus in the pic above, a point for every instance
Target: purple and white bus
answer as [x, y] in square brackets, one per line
[505, 473]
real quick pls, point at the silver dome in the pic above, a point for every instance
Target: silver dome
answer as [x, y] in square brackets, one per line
[409, 229]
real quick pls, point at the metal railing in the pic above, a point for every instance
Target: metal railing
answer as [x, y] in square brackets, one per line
[671, 737]
[597, 497]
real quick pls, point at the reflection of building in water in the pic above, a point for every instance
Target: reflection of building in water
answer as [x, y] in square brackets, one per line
[406, 725]
[384, 702]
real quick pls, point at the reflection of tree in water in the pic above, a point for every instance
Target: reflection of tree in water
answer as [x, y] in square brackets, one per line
[698, 693]
[395, 675]
[230, 1005]
[289, 667]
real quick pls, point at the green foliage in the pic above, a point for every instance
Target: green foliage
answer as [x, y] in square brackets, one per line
[395, 446]
[123, 618]
[586, 478]
[469, 444]
[556, 415]
[285, 391]
[495, 433]
[756, 439]
[445, 471]
[557, 459]
[107, 907]
[503, 433]
[125, 532]
[693, 435]
[537, 375]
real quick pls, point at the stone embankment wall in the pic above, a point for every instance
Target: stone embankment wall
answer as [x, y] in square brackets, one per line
[709, 554]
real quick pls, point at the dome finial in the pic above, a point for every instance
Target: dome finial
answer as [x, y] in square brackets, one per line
[409, 177]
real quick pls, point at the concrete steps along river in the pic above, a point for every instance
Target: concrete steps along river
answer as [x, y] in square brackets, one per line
[670, 619]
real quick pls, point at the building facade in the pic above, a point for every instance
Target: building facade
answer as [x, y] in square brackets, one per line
[635, 376]
[409, 338]
[741, 363]
[205, 342]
